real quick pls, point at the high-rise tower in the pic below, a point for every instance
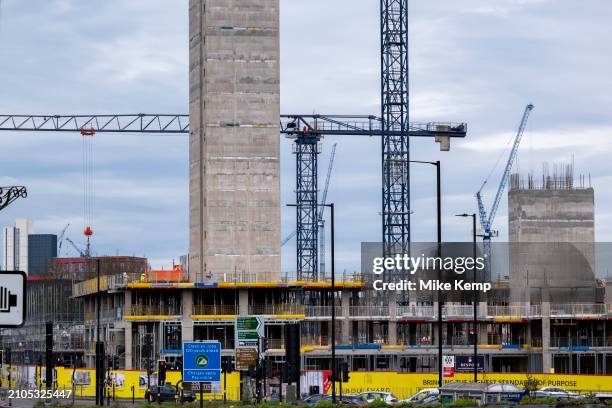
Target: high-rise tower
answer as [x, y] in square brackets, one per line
[234, 107]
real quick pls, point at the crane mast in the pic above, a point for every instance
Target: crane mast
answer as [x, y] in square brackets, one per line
[486, 220]
[321, 218]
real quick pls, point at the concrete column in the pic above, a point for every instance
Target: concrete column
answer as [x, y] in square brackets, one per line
[187, 321]
[546, 354]
[482, 327]
[128, 345]
[243, 302]
[127, 305]
[392, 339]
[346, 311]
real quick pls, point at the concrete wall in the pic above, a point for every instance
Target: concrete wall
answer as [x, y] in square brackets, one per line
[552, 254]
[234, 155]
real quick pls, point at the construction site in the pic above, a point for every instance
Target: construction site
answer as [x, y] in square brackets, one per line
[547, 316]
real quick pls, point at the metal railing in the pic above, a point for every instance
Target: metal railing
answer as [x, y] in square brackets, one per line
[369, 311]
[459, 312]
[579, 309]
[274, 309]
[153, 310]
[212, 310]
[105, 314]
[416, 311]
[322, 311]
[580, 341]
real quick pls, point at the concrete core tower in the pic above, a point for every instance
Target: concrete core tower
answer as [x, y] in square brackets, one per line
[234, 152]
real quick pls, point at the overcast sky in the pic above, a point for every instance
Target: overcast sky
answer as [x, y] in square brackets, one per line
[479, 61]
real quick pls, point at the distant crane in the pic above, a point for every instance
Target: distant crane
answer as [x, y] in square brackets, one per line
[320, 219]
[288, 238]
[82, 254]
[486, 222]
[60, 240]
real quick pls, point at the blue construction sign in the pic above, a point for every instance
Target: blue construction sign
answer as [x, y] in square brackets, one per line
[202, 361]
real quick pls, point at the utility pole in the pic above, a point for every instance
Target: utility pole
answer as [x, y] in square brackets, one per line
[475, 301]
[439, 254]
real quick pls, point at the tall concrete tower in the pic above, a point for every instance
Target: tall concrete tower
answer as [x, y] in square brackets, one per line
[552, 243]
[234, 152]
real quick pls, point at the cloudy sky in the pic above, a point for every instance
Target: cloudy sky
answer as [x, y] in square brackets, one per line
[479, 61]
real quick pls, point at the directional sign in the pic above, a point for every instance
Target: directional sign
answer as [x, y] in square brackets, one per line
[249, 329]
[13, 286]
[201, 361]
[245, 358]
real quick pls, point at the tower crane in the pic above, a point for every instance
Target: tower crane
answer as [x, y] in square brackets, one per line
[321, 219]
[486, 220]
[60, 240]
[10, 194]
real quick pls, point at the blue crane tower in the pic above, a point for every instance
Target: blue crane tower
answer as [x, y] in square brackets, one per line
[486, 221]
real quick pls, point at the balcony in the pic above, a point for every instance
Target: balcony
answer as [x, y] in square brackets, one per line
[377, 312]
[215, 310]
[579, 310]
[321, 312]
[105, 315]
[272, 309]
[514, 311]
[582, 342]
[153, 310]
[416, 312]
[459, 312]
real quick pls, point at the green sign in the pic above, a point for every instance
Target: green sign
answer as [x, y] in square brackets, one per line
[248, 323]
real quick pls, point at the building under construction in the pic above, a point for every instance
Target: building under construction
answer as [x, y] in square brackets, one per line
[234, 233]
[50, 299]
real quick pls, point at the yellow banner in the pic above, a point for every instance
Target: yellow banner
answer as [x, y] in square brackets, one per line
[123, 382]
[405, 384]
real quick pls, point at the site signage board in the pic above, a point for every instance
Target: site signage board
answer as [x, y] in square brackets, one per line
[448, 366]
[466, 364]
[202, 361]
[249, 331]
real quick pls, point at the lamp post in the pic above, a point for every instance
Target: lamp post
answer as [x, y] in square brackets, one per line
[333, 299]
[439, 254]
[475, 323]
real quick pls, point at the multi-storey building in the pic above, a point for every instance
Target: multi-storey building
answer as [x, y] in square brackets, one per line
[577, 338]
[15, 245]
[50, 299]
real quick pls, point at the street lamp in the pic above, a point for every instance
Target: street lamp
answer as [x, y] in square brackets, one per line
[439, 235]
[475, 323]
[333, 299]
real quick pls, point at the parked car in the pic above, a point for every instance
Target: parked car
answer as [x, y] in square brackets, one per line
[371, 396]
[351, 400]
[168, 392]
[425, 396]
[556, 392]
[313, 399]
[356, 400]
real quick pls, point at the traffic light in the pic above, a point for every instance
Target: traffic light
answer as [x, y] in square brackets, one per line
[161, 372]
[267, 369]
[345, 371]
[226, 365]
[264, 344]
